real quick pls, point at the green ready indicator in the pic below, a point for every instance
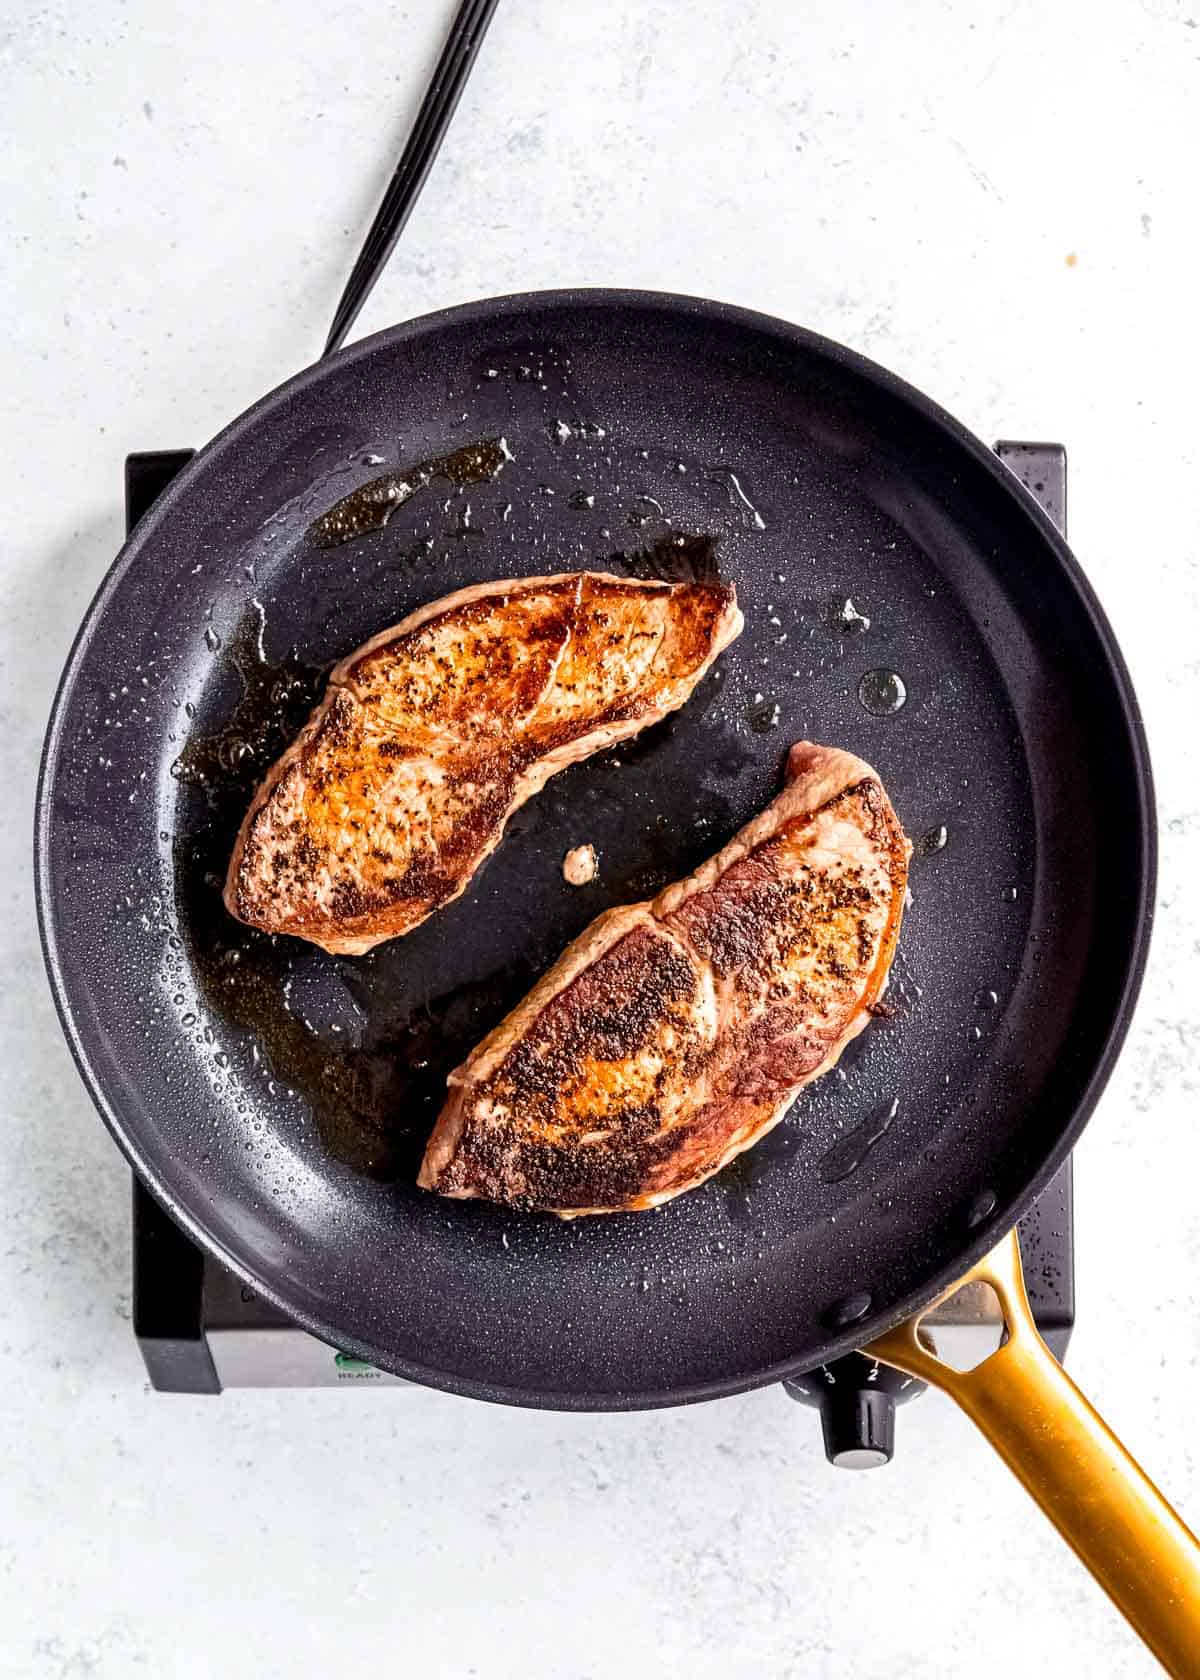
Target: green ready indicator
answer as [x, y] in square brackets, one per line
[347, 1362]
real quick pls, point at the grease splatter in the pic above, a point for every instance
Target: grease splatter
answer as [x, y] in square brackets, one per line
[371, 506]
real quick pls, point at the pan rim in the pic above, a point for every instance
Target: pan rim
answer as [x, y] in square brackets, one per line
[1143, 877]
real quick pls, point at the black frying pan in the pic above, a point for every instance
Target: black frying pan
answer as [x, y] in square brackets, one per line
[276, 1099]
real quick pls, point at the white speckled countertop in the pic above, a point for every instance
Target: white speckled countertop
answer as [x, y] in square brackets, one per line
[998, 203]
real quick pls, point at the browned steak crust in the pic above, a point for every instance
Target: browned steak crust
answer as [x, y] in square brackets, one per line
[432, 734]
[673, 1034]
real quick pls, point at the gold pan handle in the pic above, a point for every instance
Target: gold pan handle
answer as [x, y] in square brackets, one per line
[1099, 1499]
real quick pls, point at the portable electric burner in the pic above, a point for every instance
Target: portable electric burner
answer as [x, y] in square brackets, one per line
[202, 1330]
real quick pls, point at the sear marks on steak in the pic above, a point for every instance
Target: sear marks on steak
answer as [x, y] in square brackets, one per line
[671, 1035]
[431, 735]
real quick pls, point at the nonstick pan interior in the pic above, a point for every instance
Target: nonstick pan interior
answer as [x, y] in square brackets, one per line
[277, 1099]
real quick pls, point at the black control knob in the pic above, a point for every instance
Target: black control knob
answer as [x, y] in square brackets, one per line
[857, 1399]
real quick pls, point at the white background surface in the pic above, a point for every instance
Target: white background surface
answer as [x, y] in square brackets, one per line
[181, 192]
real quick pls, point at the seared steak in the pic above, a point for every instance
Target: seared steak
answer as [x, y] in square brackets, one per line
[673, 1034]
[434, 732]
